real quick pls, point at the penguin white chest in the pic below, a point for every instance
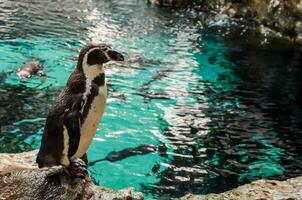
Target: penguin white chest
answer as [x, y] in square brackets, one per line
[91, 122]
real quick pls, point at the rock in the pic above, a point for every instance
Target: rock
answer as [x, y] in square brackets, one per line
[20, 178]
[282, 17]
[262, 189]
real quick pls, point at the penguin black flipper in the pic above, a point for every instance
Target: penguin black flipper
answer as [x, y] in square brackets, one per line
[72, 123]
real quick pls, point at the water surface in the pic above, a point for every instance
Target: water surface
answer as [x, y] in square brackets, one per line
[214, 106]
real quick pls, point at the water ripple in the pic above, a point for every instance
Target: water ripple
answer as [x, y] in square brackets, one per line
[218, 111]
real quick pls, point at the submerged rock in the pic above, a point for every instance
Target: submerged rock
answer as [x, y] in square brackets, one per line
[20, 178]
[262, 189]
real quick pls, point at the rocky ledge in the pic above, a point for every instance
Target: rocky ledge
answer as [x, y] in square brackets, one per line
[20, 178]
[290, 189]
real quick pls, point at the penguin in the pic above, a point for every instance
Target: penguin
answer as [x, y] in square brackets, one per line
[29, 69]
[73, 120]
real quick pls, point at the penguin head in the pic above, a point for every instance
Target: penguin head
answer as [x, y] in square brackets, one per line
[93, 56]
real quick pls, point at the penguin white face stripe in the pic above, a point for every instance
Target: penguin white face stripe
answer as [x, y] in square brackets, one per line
[91, 72]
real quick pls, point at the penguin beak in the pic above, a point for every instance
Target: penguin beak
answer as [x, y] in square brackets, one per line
[114, 55]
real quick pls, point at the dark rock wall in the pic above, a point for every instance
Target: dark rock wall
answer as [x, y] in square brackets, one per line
[282, 18]
[276, 17]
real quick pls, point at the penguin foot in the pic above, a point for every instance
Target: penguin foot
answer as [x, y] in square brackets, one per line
[77, 168]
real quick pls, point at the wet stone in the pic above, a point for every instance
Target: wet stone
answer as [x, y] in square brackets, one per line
[20, 178]
[289, 189]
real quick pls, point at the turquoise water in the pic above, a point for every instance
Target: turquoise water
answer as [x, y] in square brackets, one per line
[214, 105]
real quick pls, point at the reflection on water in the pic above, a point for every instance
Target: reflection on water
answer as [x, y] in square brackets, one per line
[190, 110]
